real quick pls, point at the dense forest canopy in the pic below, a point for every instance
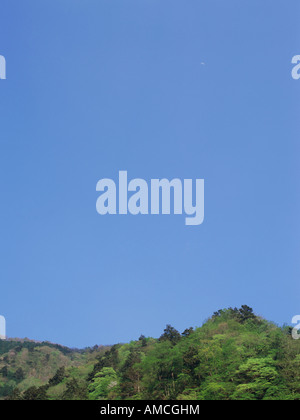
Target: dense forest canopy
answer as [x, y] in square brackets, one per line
[235, 355]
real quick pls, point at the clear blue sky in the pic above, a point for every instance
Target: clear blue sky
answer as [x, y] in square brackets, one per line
[98, 86]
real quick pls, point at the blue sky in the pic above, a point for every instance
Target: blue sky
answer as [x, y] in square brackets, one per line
[98, 86]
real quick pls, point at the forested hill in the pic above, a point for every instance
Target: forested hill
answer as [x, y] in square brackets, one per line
[28, 365]
[235, 355]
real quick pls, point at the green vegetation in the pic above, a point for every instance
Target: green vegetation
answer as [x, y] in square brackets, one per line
[235, 355]
[26, 366]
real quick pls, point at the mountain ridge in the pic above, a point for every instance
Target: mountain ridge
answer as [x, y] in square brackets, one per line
[235, 355]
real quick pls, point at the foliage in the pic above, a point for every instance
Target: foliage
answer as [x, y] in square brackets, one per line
[104, 385]
[235, 355]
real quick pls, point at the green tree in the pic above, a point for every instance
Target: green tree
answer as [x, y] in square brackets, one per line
[34, 393]
[170, 334]
[58, 377]
[15, 395]
[256, 377]
[19, 375]
[131, 374]
[75, 391]
[104, 385]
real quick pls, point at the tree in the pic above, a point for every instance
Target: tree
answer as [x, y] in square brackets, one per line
[170, 334]
[143, 340]
[104, 385]
[256, 377]
[74, 391]
[246, 313]
[34, 393]
[4, 371]
[58, 377]
[131, 374]
[110, 359]
[187, 332]
[15, 395]
[19, 375]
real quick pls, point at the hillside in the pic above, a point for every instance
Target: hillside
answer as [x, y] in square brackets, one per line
[25, 364]
[235, 355]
